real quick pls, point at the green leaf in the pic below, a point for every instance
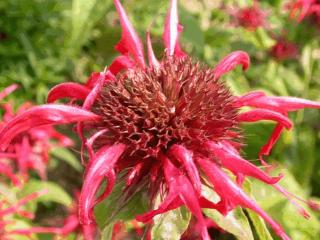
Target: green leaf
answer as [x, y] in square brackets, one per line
[118, 207]
[306, 158]
[235, 222]
[107, 232]
[84, 16]
[55, 192]
[260, 226]
[285, 213]
[192, 35]
[258, 223]
[65, 155]
[171, 225]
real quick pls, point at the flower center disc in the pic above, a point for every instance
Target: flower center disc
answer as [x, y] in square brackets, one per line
[179, 102]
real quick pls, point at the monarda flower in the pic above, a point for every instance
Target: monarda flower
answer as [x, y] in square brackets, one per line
[284, 50]
[29, 151]
[170, 125]
[250, 18]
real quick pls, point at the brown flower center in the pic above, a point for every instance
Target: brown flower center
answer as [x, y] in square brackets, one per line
[179, 102]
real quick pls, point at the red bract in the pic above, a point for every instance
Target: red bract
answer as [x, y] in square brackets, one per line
[167, 125]
[301, 9]
[250, 18]
[284, 50]
[30, 150]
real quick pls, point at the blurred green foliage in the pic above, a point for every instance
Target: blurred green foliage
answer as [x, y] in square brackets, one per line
[43, 43]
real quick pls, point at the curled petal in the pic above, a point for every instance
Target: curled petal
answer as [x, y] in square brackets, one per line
[5, 92]
[291, 197]
[130, 42]
[49, 114]
[134, 173]
[99, 166]
[71, 223]
[180, 192]
[279, 104]
[266, 149]
[93, 94]
[232, 193]
[230, 62]
[90, 141]
[184, 156]
[237, 164]
[301, 9]
[248, 97]
[88, 102]
[170, 202]
[95, 77]
[91, 82]
[120, 63]
[111, 178]
[88, 231]
[170, 34]
[68, 90]
[178, 51]
[153, 61]
[293, 103]
[263, 114]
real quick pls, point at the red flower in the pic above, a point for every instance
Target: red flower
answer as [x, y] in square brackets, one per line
[283, 50]
[301, 9]
[30, 150]
[167, 125]
[250, 18]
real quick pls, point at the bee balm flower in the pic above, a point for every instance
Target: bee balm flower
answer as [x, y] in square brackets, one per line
[168, 124]
[284, 49]
[31, 149]
[250, 18]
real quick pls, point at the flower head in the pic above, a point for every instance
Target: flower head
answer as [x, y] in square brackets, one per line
[250, 18]
[171, 125]
[283, 50]
[31, 149]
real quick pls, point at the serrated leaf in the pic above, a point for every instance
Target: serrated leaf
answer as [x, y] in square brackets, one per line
[55, 192]
[65, 155]
[171, 225]
[235, 222]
